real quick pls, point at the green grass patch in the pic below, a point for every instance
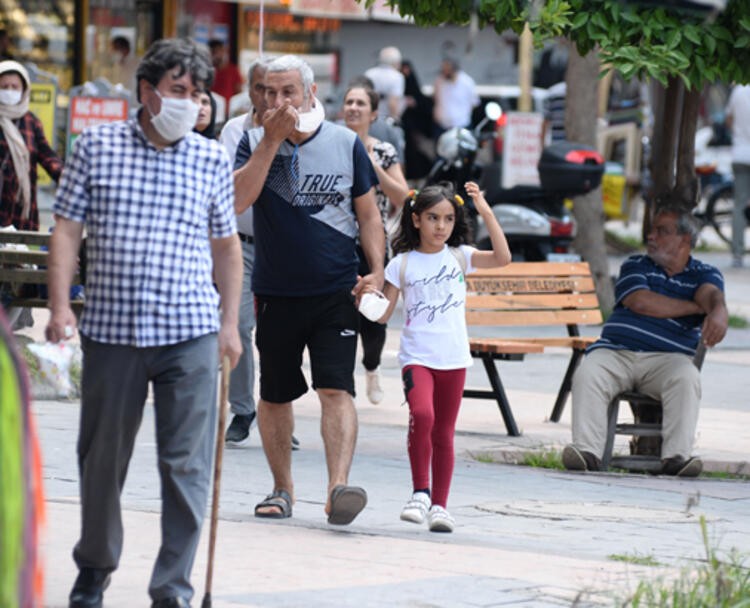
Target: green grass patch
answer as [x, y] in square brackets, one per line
[635, 558]
[713, 583]
[725, 475]
[484, 457]
[738, 322]
[546, 459]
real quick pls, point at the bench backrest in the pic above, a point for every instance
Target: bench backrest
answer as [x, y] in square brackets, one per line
[533, 293]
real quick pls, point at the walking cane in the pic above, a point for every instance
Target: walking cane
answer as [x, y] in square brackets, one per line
[223, 397]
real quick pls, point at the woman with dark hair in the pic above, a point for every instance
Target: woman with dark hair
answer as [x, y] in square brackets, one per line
[22, 146]
[206, 122]
[360, 110]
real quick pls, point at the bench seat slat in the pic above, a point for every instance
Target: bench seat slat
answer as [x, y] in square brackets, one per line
[536, 269]
[500, 346]
[535, 317]
[531, 301]
[76, 305]
[578, 342]
[23, 275]
[26, 237]
[15, 256]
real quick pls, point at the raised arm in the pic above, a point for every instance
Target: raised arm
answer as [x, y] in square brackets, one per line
[500, 254]
[278, 124]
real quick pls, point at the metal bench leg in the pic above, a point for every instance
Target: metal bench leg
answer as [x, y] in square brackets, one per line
[562, 395]
[500, 396]
[609, 445]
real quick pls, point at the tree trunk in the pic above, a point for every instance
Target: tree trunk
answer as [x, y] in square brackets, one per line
[664, 137]
[580, 126]
[686, 184]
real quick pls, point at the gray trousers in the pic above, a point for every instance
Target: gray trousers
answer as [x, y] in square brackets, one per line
[741, 200]
[603, 373]
[242, 380]
[114, 390]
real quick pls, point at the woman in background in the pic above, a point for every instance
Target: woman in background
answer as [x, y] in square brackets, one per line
[360, 110]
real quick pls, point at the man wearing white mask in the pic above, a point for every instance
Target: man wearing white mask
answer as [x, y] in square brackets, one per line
[156, 200]
[310, 183]
[23, 146]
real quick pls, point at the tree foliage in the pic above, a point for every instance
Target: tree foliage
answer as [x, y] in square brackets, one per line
[640, 40]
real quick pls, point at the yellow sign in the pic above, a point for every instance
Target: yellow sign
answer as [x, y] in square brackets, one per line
[614, 196]
[42, 104]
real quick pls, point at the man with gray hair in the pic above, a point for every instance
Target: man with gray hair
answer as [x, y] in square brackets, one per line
[389, 82]
[666, 302]
[156, 200]
[310, 184]
[242, 382]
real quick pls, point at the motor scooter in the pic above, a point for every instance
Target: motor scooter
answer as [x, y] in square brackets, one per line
[535, 220]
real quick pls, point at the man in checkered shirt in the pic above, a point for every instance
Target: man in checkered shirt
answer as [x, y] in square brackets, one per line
[157, 204]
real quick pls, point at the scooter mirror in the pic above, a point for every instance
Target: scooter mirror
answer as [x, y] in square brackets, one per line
[492, 110]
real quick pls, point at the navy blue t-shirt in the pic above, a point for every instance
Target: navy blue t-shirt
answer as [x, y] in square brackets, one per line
[304, 220]
[627, 330]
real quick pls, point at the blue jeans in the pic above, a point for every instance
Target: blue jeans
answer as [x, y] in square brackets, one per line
[242, 380]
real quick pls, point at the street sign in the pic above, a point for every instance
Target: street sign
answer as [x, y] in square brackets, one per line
[42, 104]
[522, 148]
[86, 112]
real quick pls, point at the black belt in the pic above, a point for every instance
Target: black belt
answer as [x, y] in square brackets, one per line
[246, 238]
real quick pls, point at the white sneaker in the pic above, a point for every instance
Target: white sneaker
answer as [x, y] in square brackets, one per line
[374, 392]
[416, 509]
[440, 520]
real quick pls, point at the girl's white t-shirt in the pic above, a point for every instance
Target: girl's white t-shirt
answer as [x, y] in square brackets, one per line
[434, 333]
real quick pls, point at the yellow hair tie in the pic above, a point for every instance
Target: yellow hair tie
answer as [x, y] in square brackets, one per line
[459, 200]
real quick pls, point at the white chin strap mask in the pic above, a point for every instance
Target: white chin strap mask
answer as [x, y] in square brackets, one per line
[307, 122]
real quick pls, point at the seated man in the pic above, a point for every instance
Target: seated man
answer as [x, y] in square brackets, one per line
[666, 302]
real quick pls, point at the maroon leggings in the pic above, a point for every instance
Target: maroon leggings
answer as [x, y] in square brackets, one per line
[434, 397]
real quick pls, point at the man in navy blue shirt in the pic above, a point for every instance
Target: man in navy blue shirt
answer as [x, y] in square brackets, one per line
[310, 184]
[666, 302]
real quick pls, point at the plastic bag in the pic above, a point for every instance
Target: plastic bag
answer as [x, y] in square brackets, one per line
[55, 363]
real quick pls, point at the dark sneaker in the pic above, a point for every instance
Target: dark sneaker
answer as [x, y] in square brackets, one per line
[88, 589]
[579, 460]
[239, 428]
[678, 466]
[747, 213]
[295, 444]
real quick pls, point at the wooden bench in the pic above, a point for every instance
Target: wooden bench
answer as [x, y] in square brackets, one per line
[529, 294]
[22, 271]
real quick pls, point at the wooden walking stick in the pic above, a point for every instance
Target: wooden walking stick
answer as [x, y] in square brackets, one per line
[223, 399]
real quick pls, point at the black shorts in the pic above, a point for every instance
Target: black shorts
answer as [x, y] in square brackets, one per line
[326, 325]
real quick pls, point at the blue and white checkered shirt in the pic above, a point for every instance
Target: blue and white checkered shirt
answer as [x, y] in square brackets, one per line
[149, 215]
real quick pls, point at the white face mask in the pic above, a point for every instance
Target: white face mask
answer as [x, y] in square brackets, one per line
[307, 122]
[10, 97]
[176, 118]
[373, 305]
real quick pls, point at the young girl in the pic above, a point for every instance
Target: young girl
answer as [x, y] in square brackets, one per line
[429, 270]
